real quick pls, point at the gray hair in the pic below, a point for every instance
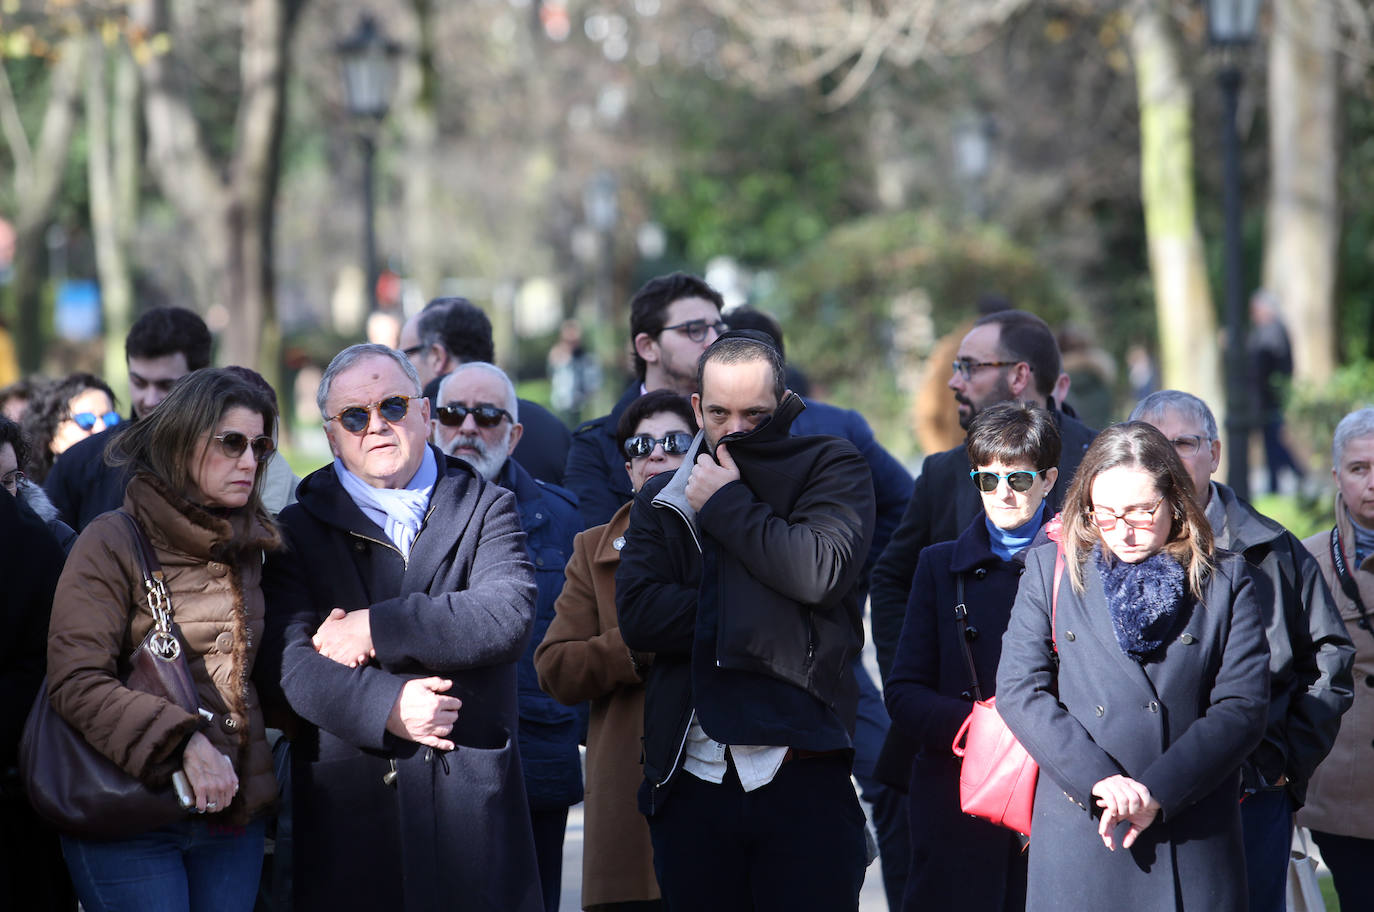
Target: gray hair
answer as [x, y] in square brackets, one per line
[1359, 423]
[1157, 404]
[351, 356]
[512, 404]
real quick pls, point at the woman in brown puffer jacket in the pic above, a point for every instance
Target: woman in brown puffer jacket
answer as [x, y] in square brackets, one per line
[197, 464]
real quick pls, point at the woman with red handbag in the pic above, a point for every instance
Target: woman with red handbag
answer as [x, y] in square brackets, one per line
[947, 658]
[1159, 691]
[197, 463]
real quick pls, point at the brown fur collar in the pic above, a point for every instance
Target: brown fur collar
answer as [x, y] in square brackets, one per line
[172, 521]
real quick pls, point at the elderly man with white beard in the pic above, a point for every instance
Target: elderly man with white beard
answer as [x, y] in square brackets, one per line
[478, 420]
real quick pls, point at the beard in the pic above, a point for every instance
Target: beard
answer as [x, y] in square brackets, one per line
[1000, 392]
[488, 460]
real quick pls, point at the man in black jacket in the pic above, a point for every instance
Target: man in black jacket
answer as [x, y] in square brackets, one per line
[1310, 655]
[163, 345]
[739, 574]
[1008, 356]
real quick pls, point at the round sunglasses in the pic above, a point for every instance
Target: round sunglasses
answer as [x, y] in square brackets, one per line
[487, 416]
[87, 420]
[675, 443]
[1019, 481]
[356, 417]
[233, 443]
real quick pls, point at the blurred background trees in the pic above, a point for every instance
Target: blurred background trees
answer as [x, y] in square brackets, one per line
[866, 169]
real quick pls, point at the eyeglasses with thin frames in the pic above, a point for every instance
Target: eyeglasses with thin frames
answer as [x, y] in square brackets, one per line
[355, 418]
[1136, 517]
[696, 330]
[966, 367]
[234, 443]
[1187, 445]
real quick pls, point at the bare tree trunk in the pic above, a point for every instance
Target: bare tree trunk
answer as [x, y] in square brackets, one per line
[230, 218]
[37, 183]
[1303, 226]
[112, 172]
[1189, 353]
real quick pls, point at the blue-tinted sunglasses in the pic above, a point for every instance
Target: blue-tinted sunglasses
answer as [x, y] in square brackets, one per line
[87, 420]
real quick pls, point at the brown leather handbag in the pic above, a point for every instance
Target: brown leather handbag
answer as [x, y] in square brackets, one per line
[71, 784]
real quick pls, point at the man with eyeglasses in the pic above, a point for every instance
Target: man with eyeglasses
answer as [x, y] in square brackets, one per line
[478, 421]
[1310, 654]
[1008, 356]
[673, 319]
[395, 618]
[453, 331]
[163, 345]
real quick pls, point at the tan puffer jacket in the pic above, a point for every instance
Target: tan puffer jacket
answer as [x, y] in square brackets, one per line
[213, 566]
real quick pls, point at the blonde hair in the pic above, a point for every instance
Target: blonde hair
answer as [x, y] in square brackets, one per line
[1137, 445]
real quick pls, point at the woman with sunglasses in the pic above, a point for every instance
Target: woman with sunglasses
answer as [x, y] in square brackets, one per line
[64, 413]
[584, 658]
[1140, 691]
[196, 463]
[958, 861]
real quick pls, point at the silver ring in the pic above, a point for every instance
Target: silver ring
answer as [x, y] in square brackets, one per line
[210, 805]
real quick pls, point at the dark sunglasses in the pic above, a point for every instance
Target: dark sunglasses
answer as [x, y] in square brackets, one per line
[87, 420]
[356, 417]
[675, 444]
[234, 443]
[487, 416]
[1020, 481]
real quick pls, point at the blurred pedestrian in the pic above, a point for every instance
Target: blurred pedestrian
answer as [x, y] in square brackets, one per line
[64, 413]
[1143, 698]
[583, 657]
[1340, 797]
[197, 466]
[1271, 360]
[958, 860]
[574, 374]
[14, 456]
[14, 399]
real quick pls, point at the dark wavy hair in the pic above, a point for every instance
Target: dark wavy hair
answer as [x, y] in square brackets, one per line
[649, 306]
[164, 443]
[13, 434]
[1138, 445]
[48, 408]
[648, 405]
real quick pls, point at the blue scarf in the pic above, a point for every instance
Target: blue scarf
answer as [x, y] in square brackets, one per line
[398, 512]
[1007, 543]
[1146, 600]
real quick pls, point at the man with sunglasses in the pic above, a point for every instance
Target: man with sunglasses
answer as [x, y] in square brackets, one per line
[163, 345]
[673, 319]
[1310, 654]
[741, 573]
[478, 421]
[453, 331]
[1008, 356]
[395, 618]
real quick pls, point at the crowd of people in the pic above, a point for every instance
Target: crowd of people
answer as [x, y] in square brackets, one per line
[396, 657]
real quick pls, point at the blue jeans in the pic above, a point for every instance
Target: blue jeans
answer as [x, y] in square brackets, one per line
[194, 865]
[1267, 824]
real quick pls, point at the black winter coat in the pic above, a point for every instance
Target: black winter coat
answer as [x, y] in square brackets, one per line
[454, 830]
[81, 485]
[959, 862]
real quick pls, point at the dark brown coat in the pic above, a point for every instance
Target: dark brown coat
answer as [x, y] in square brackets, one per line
[583, 657]
[213, 567]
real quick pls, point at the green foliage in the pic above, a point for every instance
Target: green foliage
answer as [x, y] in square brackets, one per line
[1314, 410]
[757, 179]
[1355, 280]
[1301, 514]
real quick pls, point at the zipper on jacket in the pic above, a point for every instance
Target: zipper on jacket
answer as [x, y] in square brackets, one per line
[681, 749]
[405, 561]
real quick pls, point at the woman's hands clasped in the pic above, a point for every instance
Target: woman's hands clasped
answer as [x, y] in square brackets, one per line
[210, 773]
[1122, 799]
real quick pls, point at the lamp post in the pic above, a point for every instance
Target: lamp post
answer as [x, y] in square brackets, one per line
[600, 209]
[368, 61]
[1231, 26]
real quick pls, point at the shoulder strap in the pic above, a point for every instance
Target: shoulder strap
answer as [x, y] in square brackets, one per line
[159, 602]
[966, 633]
[1348, 584]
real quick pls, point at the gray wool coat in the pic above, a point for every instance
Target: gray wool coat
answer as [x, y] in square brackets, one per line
[453, 833]
[1181, 724]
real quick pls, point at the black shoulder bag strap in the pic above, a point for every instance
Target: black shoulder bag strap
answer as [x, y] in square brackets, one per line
[1352, 589]
[967, 634]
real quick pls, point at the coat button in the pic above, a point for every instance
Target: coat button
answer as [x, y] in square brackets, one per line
[980, 573]
[1187, 639]
[216, 568]
[1369, 681]
[225, 642]
[1153, 707]
[539, 561]
[1069, 635]
[1100, 710]
[359, 546]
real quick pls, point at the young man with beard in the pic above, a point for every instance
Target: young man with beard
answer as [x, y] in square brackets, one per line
[478, 420]
[1008, 356]
[741, 573]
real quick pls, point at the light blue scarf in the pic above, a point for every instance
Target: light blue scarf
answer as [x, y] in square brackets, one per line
[398, 511]
[1008, 542]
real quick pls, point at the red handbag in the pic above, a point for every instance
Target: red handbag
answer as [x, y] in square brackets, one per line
[996, 776]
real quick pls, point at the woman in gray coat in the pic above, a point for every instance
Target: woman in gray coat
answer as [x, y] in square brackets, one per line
[1158, 692]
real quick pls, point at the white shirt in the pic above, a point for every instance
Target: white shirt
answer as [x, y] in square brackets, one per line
[705, 759]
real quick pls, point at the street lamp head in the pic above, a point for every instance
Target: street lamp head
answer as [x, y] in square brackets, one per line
[368, 59]
[1232, 23]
